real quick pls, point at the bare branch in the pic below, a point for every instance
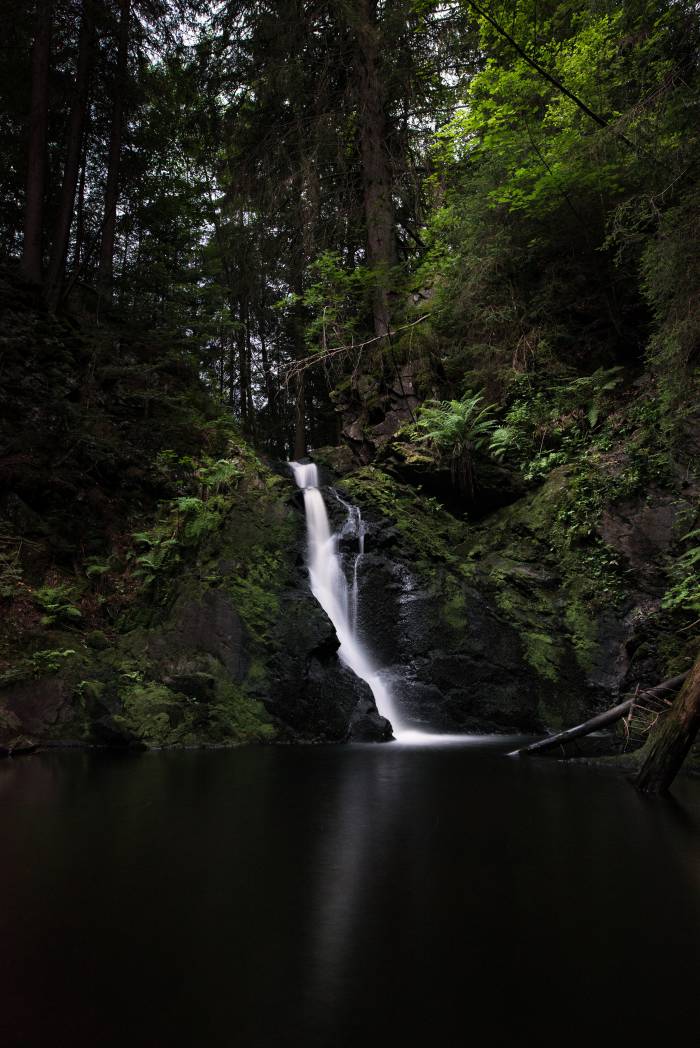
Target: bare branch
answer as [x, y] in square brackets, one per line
[298, 366]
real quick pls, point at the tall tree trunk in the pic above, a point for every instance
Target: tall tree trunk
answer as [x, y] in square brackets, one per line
[32, 255]
[249, 368]
[242, 362]
[376, 167]
[80, 210]
[669, 744]
[76, 126]
[299, 352]
[231, 372]
[267, 369]
[106, 267]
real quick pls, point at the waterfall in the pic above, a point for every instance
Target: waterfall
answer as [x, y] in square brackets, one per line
[329, 585]
[354, 526]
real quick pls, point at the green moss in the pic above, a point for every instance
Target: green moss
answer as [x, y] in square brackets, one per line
[152, 715]
[97, 639]
[425, 526]
[257, 674]
[158, 717]
[454, 605]
[255, 592]
[583, 628]
[240, 718]
[541, 652]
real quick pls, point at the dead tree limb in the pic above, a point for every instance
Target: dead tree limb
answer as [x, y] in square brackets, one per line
[296, 366]
[601, 720]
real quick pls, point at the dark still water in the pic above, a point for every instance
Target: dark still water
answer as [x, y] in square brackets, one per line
[341, 896]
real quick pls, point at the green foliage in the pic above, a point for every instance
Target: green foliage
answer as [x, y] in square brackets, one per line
[549, 231]
[684, 592]
[548, 423]
[158, 717]
[255, 588]
[338, 301]
[188, 519]
[10, 572]
[95, 569]
[222, 475]
[454, 429]
[49, 660]
[58, 604]
[670, 268]
[161, 555]
[200, 518]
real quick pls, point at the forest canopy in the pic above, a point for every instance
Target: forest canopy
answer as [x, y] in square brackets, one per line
[284, 193]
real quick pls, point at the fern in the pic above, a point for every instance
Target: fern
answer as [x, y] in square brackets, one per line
[57, 604]
[221, 475]
[202, 517]
[189, 504]
[684, 593]
[454, 429]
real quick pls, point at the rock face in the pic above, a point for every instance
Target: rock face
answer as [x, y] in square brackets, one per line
[235, 649]
[12, 740]
[375, 409]
[487, 627]
[310, 690]
[479, 626]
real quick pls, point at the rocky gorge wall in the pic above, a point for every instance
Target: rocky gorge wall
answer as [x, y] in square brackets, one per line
[230, 647]
[490, 625]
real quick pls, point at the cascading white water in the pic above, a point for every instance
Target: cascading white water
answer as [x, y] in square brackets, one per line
[330, 588]
[354, 526]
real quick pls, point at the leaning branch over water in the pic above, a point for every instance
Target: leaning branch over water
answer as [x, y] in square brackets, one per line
[602, 719]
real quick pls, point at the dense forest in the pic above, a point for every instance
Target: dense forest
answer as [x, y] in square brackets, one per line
[349, 522]
[447, 249]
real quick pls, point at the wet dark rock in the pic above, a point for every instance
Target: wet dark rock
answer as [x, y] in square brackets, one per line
[367, 725]
[642, 533]
[210, 624]
[199, 686]
[17, 746]
[446, 676]
[12, 740]
[339, 459]
[483, 628]
[312, 693]
[36, 705]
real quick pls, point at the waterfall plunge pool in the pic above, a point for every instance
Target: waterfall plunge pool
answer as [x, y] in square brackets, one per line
[342, 895]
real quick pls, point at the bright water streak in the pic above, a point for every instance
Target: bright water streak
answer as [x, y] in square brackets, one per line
[354, 525]
[330, 589]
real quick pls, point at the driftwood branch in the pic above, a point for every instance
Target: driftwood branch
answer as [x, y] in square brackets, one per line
[602, 720]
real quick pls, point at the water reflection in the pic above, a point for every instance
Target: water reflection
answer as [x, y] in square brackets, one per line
[338, 896]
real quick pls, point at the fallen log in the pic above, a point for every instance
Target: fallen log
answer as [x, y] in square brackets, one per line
[601, 720]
